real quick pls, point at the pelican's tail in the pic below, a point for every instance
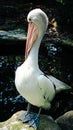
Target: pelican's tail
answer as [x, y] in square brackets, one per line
[59, 85]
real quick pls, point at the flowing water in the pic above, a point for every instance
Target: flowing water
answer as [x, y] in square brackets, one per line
[54, 60]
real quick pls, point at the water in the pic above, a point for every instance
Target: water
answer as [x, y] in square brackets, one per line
[54, 60]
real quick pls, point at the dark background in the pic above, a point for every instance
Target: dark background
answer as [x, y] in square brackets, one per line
[55, 59]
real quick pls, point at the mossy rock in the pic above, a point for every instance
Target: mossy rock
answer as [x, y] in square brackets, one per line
[66, 121]
[14, 124]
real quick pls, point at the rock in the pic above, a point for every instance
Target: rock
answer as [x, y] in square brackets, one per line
[17, 34]
[66, 121]
[13, 123]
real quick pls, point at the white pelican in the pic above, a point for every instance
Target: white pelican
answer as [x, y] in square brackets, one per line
[37, 88]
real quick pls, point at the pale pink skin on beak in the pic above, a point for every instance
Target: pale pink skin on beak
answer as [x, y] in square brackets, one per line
[31, 37]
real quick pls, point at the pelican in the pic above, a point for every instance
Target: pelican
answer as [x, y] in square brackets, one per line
[36, 87]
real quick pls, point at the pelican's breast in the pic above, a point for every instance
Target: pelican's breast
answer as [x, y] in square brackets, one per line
[27, 84]
[24, 77]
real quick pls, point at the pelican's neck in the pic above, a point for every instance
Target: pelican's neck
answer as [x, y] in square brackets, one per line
[32, 58]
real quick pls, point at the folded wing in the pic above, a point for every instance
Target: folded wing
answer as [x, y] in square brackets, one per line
[59, 85]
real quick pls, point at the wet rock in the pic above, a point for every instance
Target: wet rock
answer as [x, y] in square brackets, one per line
[66, 121]
[14, 124]
[17, 34]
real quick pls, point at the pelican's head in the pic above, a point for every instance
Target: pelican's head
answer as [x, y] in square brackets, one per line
[39, 18]
[38, 23]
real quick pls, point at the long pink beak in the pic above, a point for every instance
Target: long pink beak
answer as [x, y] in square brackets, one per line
[31, 37]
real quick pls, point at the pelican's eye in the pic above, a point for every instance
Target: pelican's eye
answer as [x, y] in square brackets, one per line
[29, 19]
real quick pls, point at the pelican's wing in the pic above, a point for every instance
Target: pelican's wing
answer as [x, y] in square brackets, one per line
[59, 85]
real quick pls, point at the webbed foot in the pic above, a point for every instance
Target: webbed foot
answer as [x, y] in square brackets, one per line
[31, 119]
[26, 117]
[34, 122]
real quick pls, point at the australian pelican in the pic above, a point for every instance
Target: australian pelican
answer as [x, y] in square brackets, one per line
[38, 89]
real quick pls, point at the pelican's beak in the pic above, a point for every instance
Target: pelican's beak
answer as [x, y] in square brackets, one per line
[31, 37]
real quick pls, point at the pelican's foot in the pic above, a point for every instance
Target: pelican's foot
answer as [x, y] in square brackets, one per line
[26, 117]
[31, 119]
[34, 122]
